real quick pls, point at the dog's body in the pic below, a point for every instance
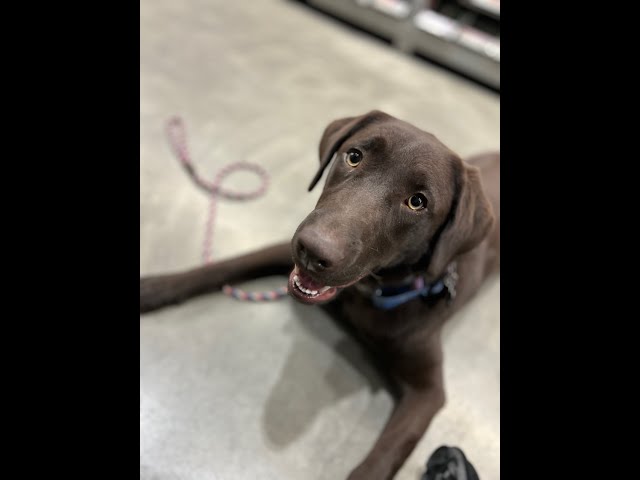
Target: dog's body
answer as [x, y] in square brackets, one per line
[397, 207]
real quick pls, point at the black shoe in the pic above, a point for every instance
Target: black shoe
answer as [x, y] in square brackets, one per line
[449, 463]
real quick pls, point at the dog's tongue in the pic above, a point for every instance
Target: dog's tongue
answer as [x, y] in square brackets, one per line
[307, 282]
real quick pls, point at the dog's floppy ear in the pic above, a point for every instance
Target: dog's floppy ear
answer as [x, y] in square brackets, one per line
[336, 133]
[469, 221]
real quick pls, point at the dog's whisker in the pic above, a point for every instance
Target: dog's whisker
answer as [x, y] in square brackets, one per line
[375, 275]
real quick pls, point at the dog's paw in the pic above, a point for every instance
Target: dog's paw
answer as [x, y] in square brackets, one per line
[157, 292]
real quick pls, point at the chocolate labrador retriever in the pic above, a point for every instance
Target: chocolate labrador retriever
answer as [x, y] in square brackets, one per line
[404, 234]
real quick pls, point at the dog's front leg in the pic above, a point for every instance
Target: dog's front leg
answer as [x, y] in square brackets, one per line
[161, 290]
[420, 399]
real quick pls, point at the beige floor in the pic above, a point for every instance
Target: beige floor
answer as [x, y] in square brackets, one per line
[230, 390]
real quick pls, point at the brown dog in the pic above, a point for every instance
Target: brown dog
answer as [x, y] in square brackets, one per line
[402, 236]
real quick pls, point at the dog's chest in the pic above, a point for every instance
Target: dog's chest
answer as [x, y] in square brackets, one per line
[382, 326]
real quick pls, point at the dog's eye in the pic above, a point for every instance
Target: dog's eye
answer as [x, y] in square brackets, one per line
[417, 201]
[353, 156]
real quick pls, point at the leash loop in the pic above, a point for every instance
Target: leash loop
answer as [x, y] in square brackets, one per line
[176, 133]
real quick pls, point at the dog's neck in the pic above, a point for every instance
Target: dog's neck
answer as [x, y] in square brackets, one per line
[406, 272]
[403, 285]
[397, 275]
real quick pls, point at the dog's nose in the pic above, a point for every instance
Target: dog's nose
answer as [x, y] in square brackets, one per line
[319, 252]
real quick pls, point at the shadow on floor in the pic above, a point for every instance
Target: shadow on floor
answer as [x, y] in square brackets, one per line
[298, 398]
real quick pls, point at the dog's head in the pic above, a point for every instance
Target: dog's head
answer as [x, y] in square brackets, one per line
[394, 195]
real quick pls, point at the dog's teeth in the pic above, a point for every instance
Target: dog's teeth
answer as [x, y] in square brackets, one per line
[312, 293]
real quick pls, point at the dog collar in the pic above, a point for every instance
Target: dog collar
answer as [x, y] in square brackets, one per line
[388, 298]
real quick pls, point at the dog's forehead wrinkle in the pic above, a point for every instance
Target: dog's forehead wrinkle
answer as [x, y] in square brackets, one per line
[374, 143]
[396, 143]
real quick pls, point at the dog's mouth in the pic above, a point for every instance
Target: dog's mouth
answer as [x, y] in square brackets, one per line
[307, 290]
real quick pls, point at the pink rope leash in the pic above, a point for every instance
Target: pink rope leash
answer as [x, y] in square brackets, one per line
[176, 133]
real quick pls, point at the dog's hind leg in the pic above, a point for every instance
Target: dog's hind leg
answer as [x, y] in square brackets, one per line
[158, 291]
